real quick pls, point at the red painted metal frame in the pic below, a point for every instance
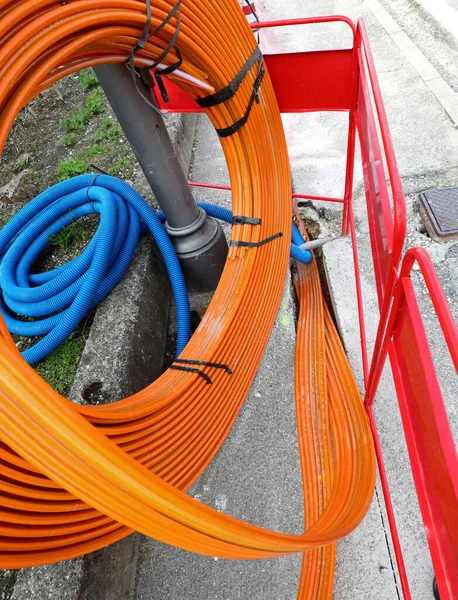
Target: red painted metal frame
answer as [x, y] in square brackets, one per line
[401, 335]
[429, 439]
[335, 66]
[427, 430]
[346, 80]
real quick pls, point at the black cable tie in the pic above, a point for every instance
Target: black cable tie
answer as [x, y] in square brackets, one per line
[227, 131]
[161, 86]
[142, 41]
[89, 187]
[204, 364]
[172, 42]
[101, 171]
[246, 221]
[255, 244]
[167, 19]
[230, 90]
[146, 36]
[171, 68]
[190, 370]
[255, 15]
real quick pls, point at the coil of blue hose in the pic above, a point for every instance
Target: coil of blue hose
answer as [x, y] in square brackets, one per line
[60, 298]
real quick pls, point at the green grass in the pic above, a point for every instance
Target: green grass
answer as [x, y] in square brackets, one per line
[76, 232]
[7, 581]
[119, 167]
[113, 158]
[59, 368]
[4, 220]
[88, 79]
[69, 139]
[20, 164]
[94, 105]
[78, 164]
[109, 131]
[70, 168]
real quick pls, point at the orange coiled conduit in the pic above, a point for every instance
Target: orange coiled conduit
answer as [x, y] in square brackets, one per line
[76, 478]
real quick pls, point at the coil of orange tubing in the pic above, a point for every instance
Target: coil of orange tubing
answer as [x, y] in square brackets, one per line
[76, 478]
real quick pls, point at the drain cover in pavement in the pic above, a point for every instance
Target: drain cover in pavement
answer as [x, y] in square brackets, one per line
[439, 211]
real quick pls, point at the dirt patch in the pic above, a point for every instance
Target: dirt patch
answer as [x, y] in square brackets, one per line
[57, 127]
[58, 135]
[7, 581]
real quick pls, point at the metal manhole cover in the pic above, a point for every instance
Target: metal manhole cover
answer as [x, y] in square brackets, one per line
[439, 211]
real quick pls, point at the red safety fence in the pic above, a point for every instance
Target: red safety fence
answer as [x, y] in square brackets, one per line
[346, 80]
[401, 335]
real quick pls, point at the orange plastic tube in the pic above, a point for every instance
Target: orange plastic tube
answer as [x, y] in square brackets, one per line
[76, 478]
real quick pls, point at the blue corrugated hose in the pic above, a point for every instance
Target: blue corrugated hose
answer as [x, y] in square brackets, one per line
[63, 296]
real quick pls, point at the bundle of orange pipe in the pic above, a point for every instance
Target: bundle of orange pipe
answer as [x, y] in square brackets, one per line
[76, 478]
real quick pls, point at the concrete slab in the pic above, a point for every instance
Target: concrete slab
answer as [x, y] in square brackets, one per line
[432, 38]
[56, 583]
[255, 476]
[440, 84]
[112, 368]
[417, 147]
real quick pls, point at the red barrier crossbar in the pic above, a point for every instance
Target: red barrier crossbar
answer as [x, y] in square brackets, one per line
[346, 80]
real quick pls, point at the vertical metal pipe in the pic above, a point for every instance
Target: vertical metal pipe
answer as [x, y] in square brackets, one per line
[198, 239]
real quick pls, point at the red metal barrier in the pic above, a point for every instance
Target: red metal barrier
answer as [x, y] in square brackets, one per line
[429, 439]
[346, 80]
[293, 96]
[401, 334]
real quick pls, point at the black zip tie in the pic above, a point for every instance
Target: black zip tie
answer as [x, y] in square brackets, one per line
[142, 41]
[141, 44]
[89, 187]
[161, 86]
[255, 244]
[171, 68]
[227, 131]
[158, 76]
[190, 370]
[174, 38]
[246, 221]
[255, 15]
[101, 171]
[167, 19]
[204, 364]
[230, 90]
